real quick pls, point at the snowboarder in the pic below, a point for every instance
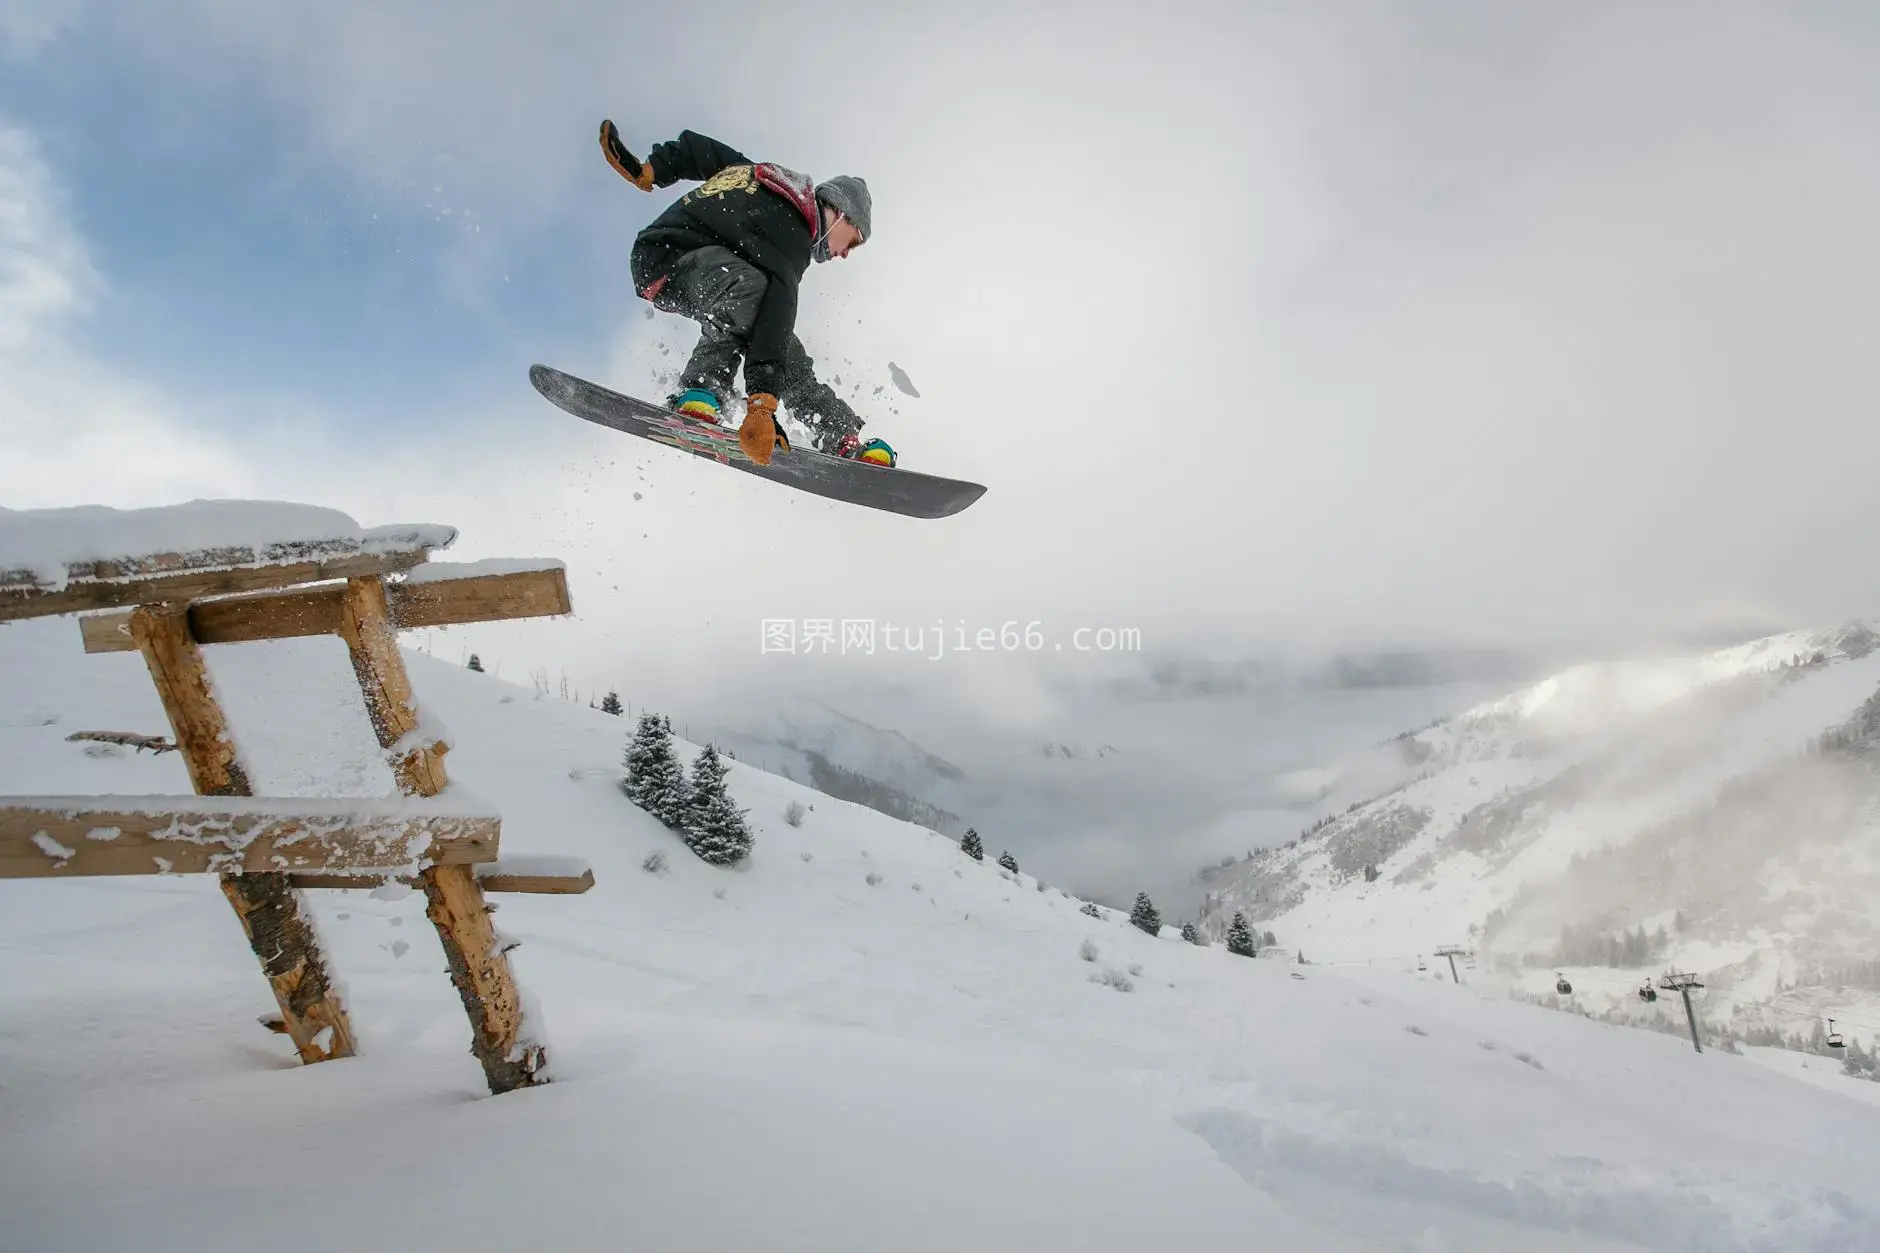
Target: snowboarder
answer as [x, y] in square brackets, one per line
[729, 255]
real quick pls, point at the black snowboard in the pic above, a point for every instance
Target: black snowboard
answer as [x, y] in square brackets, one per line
[892, 490]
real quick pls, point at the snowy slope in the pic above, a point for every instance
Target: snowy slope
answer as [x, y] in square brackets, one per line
[1609, 799]
[790, 1056]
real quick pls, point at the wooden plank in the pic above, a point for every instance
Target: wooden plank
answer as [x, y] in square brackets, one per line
[32, 602]
[319, 611]
[490, 876]
[365, 625]
[72, 837]
[479, 966]
[483, 598]
[538, 884]
[280, 933]
[273, 914]
[161, 633]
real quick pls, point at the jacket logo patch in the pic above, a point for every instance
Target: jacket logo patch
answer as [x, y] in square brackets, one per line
[731, 178]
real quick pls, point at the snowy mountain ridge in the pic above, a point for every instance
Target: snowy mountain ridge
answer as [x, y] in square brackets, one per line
[1714, 788]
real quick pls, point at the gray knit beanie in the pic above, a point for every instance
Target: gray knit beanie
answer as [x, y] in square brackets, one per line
[848, 196]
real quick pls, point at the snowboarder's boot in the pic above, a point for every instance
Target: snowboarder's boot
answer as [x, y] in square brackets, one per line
[697, 403]
[874, 451]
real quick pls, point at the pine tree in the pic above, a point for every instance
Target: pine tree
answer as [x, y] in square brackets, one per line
[1009, 862]
[476, 663]
[714, 826]
[1143, 917]
[1239, 937]
[655, 780]
[610, 704]
[1269, 940]
[971, 845]
[1190, 934]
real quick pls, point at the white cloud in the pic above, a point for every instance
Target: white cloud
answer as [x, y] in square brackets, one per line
[27, 26]
[68, 422]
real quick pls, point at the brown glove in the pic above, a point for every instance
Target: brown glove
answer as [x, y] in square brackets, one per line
[639, 173]
[760, 435]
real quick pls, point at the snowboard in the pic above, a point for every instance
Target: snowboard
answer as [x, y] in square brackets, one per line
[891, 490]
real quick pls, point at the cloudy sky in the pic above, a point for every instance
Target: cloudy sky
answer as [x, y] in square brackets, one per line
[1270, 327]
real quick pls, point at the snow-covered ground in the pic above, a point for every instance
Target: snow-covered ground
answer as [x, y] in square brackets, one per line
[860, 1039]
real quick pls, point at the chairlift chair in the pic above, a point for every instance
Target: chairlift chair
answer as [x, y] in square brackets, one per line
[1561, 985]
[1834, 1037]
[1646, 992]
[1420, 965]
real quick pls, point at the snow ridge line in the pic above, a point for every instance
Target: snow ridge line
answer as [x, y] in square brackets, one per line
[1657, 1214]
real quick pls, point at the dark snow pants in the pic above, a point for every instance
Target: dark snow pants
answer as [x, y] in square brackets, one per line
[721, 292]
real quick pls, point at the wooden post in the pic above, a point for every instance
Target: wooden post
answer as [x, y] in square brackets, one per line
[479, 965]
[272, 911]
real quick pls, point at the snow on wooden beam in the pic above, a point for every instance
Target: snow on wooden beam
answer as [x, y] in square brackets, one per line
[550, 876]
[72, 836]
[37, 592]
[450, 594]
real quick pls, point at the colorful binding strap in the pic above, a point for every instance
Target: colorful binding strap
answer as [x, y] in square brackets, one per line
[876, 452]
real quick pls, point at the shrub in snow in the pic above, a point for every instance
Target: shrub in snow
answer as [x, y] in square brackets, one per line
[1143, 917]
[793, 813]
[718, 894]
[476, 663]
[1530, 1059]
[1239, 937]
[806, 854]
[1008, 861]
[1136, 969]
[610, 704]
[1190, 934]
[714, 827]
[970, 845]
[655, 863]
[655, 780]
[1113, 978]
[873, 878]
[1087, 950]
[1090, 909]
[1413, 1029]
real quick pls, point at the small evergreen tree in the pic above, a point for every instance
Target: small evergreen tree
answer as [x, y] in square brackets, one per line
[1190, 934]
[970, 845]
[714, 826]
[476, 663]
[655, 780]
[1091, 909]
[1270, 939]
[1239, 937]
[610, 704]
[1009, 862]
[1143, 917]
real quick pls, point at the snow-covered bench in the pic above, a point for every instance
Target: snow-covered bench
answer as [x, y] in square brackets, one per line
[209, 572]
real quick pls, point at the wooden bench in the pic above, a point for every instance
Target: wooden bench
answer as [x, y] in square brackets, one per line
[265, 851]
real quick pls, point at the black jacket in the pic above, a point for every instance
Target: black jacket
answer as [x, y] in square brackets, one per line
[761, 212]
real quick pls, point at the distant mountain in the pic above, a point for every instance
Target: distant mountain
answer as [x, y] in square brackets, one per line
[1719, 812]
[844, 757]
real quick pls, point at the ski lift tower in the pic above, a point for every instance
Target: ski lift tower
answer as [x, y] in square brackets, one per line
[1676, 981]
[1452, 951]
